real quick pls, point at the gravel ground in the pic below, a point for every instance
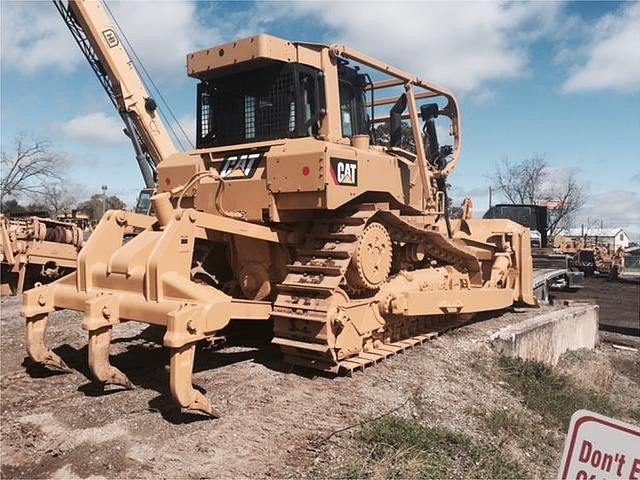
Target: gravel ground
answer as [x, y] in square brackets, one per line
[619, 303]
[64, 426]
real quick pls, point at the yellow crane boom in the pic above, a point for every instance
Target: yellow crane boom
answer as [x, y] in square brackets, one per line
[96, 35]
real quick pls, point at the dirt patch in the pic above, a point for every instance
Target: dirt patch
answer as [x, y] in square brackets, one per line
[619, 303]
[273, 419]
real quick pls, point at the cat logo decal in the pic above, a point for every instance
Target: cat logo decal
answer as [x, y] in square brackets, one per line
[344, 172]
[240, 166]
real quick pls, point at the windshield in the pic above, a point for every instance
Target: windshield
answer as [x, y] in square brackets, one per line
[144, 202]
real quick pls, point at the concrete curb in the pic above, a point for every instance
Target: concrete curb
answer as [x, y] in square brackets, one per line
[546, 337]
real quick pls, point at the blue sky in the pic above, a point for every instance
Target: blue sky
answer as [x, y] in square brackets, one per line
[557, 79]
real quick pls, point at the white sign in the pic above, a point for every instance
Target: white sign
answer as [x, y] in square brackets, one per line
[599, 447]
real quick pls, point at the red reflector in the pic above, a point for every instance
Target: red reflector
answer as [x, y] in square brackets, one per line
[306, 171]
[167, 181]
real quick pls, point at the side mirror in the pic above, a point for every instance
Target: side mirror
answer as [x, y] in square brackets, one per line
[395, 118]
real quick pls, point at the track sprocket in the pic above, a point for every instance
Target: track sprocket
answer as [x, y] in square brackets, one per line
[371, 261]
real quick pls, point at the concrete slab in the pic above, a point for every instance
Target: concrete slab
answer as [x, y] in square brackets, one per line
[546, 337]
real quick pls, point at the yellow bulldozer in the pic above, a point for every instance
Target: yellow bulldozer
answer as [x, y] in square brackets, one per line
[35, 250]
[592, 257]
[288, 211]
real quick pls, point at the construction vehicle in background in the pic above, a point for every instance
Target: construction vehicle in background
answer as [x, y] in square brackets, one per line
[78, 218]
[36, 250]
[592, 257]
[286, 212]
[609, 262]
[143, 204]
[552, 269]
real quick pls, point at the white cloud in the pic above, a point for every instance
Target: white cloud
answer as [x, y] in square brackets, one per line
[93, 128]
[162, 33]
[615, 208]
[610, 58]
[483, 97]
[188, 124]
[100, 128]
[34, 37]
[557, 177]
[460, 45]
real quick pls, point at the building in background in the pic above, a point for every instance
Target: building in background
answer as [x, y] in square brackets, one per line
[632, 260]
[611, 237]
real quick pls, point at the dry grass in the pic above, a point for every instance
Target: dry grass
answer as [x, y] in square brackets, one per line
[394, 447]
[552, 395]
[519, 441]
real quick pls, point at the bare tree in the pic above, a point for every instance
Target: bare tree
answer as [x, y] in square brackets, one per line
[28, 168]
[56, 197]
[534, 182]
[521, 183]
[568, 196]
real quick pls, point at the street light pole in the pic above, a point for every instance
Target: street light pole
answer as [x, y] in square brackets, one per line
[104, 199]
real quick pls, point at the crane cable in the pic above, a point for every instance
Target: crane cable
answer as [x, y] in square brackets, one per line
[155, 87]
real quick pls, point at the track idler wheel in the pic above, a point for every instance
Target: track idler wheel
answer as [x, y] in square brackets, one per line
[371, 262]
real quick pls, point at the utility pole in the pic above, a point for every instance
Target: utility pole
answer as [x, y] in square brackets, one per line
[104, 199]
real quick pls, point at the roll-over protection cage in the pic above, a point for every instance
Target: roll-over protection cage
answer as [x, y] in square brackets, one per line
[305, 116]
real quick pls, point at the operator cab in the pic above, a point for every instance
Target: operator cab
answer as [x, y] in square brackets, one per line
[282, 100]
[263, 88]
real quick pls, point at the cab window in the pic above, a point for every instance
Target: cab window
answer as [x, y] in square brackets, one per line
[352, 101]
